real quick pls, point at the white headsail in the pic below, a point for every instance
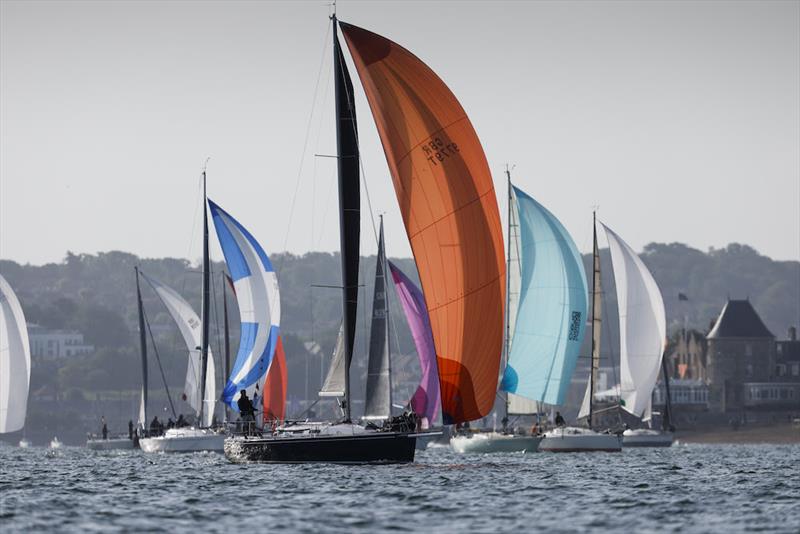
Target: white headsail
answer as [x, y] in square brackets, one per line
[15, 361]
[190, 327]
[334, 380]
[642, 325]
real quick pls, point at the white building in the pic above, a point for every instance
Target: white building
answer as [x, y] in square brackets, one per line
[52, 344]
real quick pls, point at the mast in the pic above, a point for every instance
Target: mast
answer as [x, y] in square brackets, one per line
[143, 349]
[349, 204]
[205, 311]
[388, 324]
[596, 319]
[227, 343]
[508, 282]
[666, 420]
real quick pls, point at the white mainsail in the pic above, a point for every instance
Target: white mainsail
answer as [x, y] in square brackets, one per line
[642, 325]
[190, 327]
[15, 361]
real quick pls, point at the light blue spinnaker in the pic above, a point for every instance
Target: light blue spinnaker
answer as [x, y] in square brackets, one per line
[259, 304]
[551, 312]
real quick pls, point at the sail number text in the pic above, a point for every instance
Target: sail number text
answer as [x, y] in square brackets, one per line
[437, 150]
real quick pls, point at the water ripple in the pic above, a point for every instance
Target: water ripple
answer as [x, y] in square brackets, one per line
[685, 488]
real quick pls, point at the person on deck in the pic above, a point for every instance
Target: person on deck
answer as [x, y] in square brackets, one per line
[181, 422]
[560, 420]
[130, 430]
[105, 427]
[247, 410]
[155, 426]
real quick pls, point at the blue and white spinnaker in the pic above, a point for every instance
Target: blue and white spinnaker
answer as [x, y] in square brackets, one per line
[258, 298]
[548, 304]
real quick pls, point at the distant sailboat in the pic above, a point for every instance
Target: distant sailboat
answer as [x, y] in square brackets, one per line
[642, 324]
[15, 363]
[189, 439]
[546, 313]
[447, 201]
[200, 377]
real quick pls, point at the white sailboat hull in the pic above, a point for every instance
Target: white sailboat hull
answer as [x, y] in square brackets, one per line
[571, 439]
[109, 444]
[184, 440]
[644, 437]
[494, 442]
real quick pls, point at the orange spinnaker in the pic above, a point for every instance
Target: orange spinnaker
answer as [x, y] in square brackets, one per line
[275, 387]
[447, 199]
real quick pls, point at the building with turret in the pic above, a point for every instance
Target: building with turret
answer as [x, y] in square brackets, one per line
[742, 364]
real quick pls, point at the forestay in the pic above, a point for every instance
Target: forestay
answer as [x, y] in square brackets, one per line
[551, 314]
[15, 361]
[189, 326]
[258, 298]
[642, 325]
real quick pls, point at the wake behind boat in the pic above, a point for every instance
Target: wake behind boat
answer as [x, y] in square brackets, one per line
[647, 437]
[489, 442]
[185, 440]
[574, 439]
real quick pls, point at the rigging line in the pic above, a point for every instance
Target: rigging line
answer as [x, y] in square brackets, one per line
[322, 116]
[194, 221]
[305, 145]
[215, 308]
[331, 183]
[158, 360]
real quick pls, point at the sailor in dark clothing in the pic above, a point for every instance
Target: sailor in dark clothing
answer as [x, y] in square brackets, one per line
[247, 411]
[170, 423]
[246, 407]
[560, 420]
[130, 430]
[104, 429]
[155, 426]
[181, 422]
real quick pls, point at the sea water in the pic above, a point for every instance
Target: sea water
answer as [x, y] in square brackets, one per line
[691, 488]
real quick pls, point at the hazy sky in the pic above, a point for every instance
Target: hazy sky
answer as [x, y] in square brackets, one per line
[681, 120]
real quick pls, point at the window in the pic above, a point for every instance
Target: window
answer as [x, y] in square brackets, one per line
[749, 370]
[748, 349]
[795, 369]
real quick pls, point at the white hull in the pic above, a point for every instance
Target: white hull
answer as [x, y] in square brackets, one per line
[109, 444]
[184, 440]
[55, 444]
[647, 438]
[24, 443]
[572, 439]
[494, 442]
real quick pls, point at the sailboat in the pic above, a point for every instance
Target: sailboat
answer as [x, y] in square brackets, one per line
[651, 437]
[642, 329]
[195, 438]
[15, 363]
[446, 197]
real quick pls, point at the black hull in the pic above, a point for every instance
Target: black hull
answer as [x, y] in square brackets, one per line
[369, 448]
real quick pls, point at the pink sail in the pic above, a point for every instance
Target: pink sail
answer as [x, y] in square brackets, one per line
[425, 401]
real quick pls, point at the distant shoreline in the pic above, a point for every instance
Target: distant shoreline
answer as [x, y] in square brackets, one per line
[784, 433]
